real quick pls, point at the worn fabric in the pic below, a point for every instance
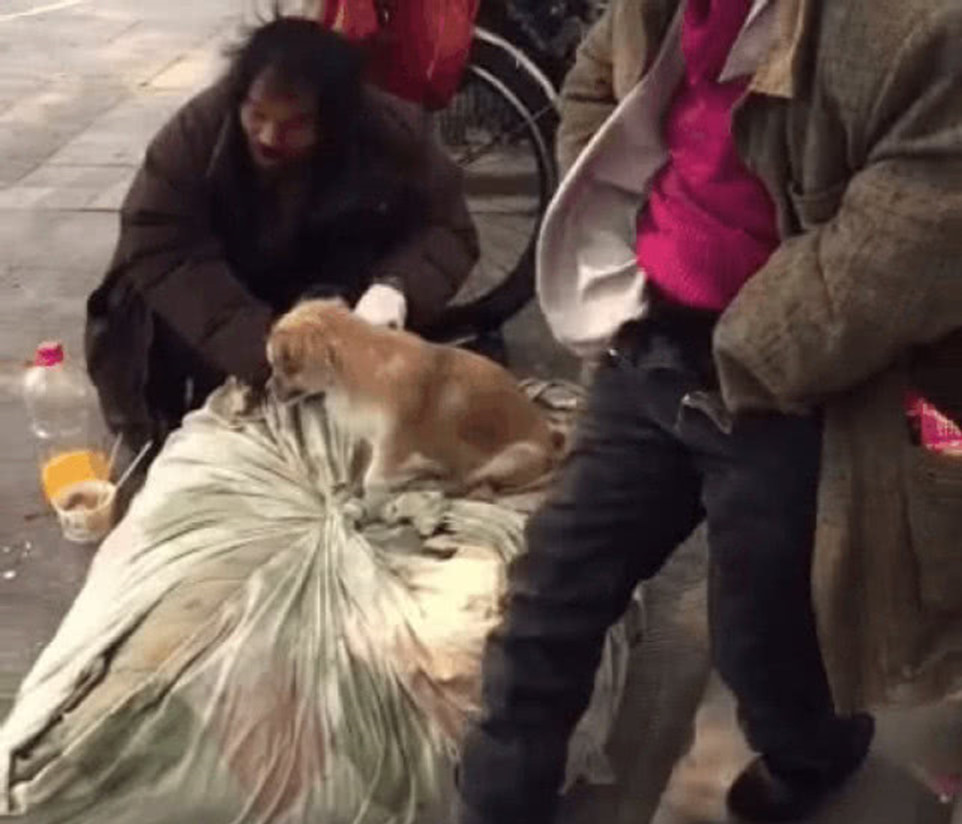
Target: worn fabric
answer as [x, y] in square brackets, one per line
[257, 644]
[207, 253]
[646, 467]
[854, 122]
[708, 224]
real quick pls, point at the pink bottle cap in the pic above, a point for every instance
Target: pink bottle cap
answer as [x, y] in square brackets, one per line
[49, 353]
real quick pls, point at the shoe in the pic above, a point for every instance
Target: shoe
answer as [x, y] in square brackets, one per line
[490, 344]
[765, 796]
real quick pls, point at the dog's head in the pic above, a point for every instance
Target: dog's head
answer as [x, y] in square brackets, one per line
[302, 350]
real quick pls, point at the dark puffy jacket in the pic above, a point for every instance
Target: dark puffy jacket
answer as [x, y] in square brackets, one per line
[199, 273]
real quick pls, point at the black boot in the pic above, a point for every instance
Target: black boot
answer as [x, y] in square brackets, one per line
[764, 794]
[490, 344]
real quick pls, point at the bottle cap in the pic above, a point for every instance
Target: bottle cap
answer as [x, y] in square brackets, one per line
[49, 353]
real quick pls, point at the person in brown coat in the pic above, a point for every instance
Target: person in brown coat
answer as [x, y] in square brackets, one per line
[288, 178]
[759, 243]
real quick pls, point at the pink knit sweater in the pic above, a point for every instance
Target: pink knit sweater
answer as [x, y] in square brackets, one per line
[709, 224]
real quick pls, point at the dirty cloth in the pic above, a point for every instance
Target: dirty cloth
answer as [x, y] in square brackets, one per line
[256, 643]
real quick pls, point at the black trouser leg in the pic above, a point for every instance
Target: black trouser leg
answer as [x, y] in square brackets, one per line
[631, 492]
[759, 491]
[178, 380]
[626, 498]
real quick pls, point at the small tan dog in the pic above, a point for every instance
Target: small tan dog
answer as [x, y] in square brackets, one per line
[426, 410]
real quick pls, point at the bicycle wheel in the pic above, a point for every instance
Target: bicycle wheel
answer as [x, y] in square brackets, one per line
[500, 129]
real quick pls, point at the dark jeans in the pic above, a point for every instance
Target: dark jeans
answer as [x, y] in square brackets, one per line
[178, 381]
[646, 468]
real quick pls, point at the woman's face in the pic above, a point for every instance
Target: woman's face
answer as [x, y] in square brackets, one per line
[281, 124]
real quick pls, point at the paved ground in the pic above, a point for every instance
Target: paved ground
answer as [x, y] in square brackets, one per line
[83, 85]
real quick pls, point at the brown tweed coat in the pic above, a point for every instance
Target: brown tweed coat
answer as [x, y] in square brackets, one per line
[854, 122]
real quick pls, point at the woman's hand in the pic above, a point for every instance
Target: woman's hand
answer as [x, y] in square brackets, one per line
[383, 305]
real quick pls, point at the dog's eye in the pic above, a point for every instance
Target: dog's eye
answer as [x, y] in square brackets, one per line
[288, 361]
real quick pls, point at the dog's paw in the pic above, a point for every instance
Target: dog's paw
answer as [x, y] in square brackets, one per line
[469, 491]
[482, 492]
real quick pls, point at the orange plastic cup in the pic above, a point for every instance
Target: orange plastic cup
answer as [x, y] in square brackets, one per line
[71, 468]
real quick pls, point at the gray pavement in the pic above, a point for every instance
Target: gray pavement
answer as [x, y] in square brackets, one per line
[83, 86]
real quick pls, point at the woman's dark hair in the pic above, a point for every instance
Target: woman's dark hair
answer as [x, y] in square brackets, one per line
[302, 55]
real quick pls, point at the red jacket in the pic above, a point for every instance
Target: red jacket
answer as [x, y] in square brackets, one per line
[418, 48]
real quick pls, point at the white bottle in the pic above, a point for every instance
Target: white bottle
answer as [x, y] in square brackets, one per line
[59, 402]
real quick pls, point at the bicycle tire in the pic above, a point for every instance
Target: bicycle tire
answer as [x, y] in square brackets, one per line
[506, 71]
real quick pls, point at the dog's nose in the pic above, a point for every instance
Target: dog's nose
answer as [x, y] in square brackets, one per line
[285, 393]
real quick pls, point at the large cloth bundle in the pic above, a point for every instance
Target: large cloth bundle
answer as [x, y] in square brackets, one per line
[256, 643]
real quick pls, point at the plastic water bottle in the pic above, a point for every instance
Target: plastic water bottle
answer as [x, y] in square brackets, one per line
[58, 399]
[60, 404]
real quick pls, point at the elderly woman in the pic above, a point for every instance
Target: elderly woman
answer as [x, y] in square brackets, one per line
[287, 178]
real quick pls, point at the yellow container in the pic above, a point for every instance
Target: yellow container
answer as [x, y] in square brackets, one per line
[70, 468]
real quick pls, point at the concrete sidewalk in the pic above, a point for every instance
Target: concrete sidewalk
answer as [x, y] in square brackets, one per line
[83, 85]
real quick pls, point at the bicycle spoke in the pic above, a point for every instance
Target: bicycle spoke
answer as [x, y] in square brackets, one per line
[511, 228]
[517, 131]
[499, 130]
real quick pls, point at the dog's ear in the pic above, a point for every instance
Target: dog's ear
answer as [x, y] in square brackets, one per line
[323, 350]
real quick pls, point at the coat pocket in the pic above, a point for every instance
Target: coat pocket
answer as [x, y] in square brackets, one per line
[814, 208]
[935, 520]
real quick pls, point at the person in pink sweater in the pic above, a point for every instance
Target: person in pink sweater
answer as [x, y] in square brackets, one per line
[659, 448]
[709, 223]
